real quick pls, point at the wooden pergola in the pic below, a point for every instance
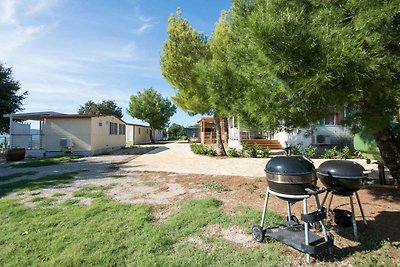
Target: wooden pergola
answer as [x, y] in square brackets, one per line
[207, 130]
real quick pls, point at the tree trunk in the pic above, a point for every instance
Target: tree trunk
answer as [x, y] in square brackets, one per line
[226, 134]
[220, 146]
[390, 151]
[151, 136]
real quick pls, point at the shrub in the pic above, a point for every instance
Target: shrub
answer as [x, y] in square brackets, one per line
[346, 152]
[199, 149]
[232, 152]
[296, 150]
[330, 153]
[310, 151]
[203, 150]
[265, 152]
[253, 151]
[211, 152]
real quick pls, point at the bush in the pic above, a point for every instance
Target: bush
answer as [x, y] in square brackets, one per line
[330, 153]
[265, 152]
[346, 152]
[232, 152]
[253, 151]
[296, 150]
[203, 150]
[310, 151]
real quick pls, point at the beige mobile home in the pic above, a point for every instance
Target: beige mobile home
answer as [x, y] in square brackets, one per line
[139, 134]
[83, 134]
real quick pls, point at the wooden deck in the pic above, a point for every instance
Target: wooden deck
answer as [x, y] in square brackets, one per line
[262, 143]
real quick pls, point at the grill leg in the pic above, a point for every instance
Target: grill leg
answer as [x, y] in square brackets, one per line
[353, 218]
[289, 210]
[265, 208]
[306, 237]
[362, 212]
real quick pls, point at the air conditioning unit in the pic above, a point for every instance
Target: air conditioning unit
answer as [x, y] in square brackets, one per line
[323, 139]
[66, 142]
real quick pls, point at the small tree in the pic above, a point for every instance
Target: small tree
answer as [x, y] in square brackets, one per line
[10, 101]
[106, 107]
[151, 107]
[175, 131]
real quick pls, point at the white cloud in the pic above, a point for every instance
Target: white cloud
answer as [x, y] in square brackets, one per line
[146, 23]
[7, 12]
[41, 6]
[15, 31]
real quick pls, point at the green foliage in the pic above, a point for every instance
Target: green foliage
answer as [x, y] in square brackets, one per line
[106, 107]
[346, 153]
[10, 101]
[232, 152]
[151, 107]
[310, 151]
[45, 161]
[184, 49]
[176, 132]
[252, 152]
[265, 152]
[203, 150]
[331, 153]
[296, 150]
[215, 186]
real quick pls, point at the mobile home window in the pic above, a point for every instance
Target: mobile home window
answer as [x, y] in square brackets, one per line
[122, 129]
[113, 128]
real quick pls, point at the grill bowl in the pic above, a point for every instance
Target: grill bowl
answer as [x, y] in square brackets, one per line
[290, 175]
[342, 177]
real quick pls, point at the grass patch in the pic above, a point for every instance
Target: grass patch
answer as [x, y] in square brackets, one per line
[43, 182]
[251, 188]
[92, 191]
[215, 186]
[16, 175]
[38, 199]
[115, 234]
[70, 202]
[45, 162]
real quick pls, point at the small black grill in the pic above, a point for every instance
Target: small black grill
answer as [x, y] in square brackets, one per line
[342, 177]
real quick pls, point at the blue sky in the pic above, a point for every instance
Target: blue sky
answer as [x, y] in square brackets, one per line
[66, 52]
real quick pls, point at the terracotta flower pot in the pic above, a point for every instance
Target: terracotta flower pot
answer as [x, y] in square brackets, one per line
[14, 154]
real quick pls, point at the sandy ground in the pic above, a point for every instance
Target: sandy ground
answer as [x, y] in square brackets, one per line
[165, 190]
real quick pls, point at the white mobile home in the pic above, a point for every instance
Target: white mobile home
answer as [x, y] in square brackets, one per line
[68, 133]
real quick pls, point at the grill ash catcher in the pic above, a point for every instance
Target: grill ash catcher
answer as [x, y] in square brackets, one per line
[293, 179]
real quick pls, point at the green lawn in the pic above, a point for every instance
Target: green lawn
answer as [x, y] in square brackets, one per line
[114, 234]
[109, 233]
[44, 162]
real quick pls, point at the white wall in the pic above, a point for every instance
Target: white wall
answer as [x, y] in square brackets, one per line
[21, 134]
[79, 130]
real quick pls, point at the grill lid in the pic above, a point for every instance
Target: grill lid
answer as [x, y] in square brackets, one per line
[346, 169]
[295, 165]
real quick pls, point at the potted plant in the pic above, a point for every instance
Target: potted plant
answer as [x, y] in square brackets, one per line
[14, 154]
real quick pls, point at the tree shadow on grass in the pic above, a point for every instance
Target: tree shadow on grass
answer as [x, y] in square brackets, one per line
[43, 182]
[371, 238]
